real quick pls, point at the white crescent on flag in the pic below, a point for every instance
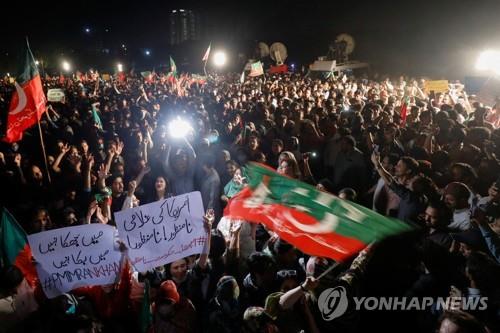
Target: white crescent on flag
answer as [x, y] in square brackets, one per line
[22, 101]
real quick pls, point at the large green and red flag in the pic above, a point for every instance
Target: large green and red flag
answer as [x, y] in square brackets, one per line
[28, 101]
[316, 222]
[14, 247]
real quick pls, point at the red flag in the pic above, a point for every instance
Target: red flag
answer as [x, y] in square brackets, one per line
[404, 112]
[121, 77]
[28, 101]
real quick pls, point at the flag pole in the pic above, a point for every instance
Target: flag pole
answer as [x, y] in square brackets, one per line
[43, 150]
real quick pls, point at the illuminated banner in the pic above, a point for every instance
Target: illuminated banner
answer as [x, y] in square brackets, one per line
[74, 257]
[438, 86]
[164, 231]
[55, 95]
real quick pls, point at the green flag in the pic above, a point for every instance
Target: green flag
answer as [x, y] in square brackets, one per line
[145, 316]
[14, 247]
[173, 67]
[316, 222]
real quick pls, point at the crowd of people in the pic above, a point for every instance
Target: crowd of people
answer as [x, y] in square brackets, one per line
[428, 159]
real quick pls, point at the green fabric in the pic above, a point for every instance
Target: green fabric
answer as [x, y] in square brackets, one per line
[28, 69]
[349, 219]
[173, 67]
[96, 117]
[145, 317]
[12, 237]
[231, 189]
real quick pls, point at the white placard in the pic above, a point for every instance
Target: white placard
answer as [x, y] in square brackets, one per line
[164, 231]
[55, 95]
[74, 257]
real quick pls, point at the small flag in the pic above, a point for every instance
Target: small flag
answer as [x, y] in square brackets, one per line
[27, 104]
[14, 247]
[173, 67]
[242, 77]
[97, 119]
[316, 222]
[145, 316]
[256, 69]
[403, 113]
[207, 53]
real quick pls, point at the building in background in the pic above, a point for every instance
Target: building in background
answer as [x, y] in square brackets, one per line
[184, 26]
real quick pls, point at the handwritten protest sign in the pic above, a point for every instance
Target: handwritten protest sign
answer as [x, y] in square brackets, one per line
[438, 86]
[55, 95]
[164, 231]
[73, 257]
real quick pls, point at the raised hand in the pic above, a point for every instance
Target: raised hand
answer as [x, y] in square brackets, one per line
[208, 219]
[102, 172]
[119, 147]
[17, 160]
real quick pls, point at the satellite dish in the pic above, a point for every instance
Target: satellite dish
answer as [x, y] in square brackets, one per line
[348, 40]
[263, 49]
[278, 53]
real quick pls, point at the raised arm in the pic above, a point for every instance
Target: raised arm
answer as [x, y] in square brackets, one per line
[386, 176]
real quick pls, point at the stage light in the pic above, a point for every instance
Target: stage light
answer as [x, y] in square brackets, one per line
[119, 67]
[66, 66]
[179, 128]
[220, 58]
[489, 61]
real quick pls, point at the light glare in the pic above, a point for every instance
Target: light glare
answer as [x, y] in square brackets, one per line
[220, 58]
[179, 128]
[489, 60]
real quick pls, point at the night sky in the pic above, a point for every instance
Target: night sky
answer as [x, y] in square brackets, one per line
[439, 38]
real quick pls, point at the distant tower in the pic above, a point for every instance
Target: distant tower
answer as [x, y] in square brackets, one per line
[184, 26]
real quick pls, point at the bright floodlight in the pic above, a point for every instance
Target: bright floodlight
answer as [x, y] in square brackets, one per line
[66, 66]
[220, 59]
[119, 67]
[37, 62]
[489, 61]
[179, 128]
[147, 52]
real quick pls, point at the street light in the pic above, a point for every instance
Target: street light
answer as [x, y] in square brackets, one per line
[119, 67]
[489, 61]
[147, 52]
[220, 58]
[37, 62]
[66, 66]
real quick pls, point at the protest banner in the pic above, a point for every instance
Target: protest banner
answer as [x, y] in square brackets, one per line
[55, 95]
[164, 231]
[74, 257]
[438, 86]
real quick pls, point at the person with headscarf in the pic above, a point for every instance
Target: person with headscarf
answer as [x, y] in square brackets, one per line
[224, 314]
[171, 312]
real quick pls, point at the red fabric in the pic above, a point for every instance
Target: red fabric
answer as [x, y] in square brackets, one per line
[24, 261]
[277, 218]
[111, 304]
[403, 113]
[23, 116]
[278, 69]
